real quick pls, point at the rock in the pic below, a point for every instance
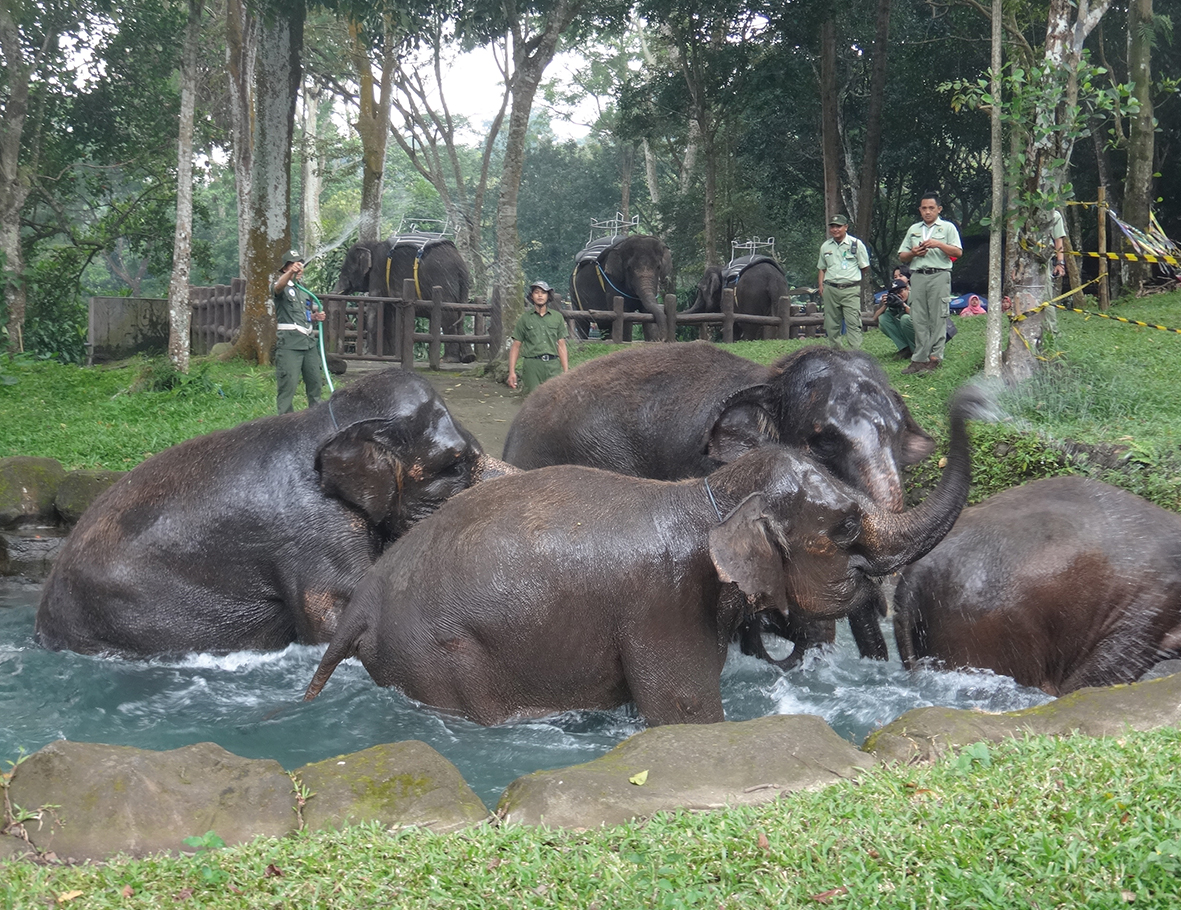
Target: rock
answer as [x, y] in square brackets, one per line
[116, 799]
[399, 785]
[27, 488]
[926, 733]
[30, 554]
[79, 489]
[688, 766]
[14, 848]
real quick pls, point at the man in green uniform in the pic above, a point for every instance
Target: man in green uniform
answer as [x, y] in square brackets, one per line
[929, 248]
[539, 338]
[296, 349]
[842, 265]
[894, 319]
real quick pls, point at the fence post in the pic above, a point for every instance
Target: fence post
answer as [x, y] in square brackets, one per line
[728, 316]
[783, 311]
[407, 313]
[434, 351]
[617, 324]
[670, 318]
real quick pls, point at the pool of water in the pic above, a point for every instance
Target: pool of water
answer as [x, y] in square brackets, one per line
[249, 703]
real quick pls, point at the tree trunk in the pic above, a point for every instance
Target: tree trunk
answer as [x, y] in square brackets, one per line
[241, 55]
[829, 130]
[868, 189]
[530, 58]
[14, 179]
[1050, 141]
[179, 313]
[373, 125]
[1138, 183]
[994, 330]
[276, 84]
[311, 172]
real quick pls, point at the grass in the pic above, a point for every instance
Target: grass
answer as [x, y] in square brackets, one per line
[1041, 823]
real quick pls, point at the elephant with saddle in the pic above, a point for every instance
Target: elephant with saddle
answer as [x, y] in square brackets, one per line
[1060, 583]
[379, 267]
[758, 283]
[633, 267]
[674, 411]
[574, 588]
[254, 537]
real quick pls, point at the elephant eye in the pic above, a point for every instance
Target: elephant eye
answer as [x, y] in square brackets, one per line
[846, 532]
[826, 445]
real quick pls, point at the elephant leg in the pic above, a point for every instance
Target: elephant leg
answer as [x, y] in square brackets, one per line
[867, 630]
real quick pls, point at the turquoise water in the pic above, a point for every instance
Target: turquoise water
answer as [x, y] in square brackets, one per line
[249, 703]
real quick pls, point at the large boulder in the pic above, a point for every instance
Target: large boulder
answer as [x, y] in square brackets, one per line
[399, 785]
[117, 799]
[924, 734]
[27, 490]
[79, 489]
[687, 766]
[31, 554]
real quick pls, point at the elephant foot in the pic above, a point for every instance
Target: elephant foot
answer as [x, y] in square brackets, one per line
[468, 358]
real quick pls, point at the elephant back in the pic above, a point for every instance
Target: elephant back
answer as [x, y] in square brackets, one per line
[732, 272]
[597, 249]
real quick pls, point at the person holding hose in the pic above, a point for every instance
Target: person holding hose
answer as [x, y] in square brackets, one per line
[296, 350]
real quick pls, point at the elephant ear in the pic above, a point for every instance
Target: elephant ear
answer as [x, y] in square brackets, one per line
[744, 421]
[360, 466]
[916, 443]
[743, 553]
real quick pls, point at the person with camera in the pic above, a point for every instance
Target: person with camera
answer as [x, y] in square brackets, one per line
[893, 316]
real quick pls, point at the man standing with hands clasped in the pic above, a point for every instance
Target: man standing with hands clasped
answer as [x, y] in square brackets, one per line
[539, 338]
[929, 248]
[842, 264]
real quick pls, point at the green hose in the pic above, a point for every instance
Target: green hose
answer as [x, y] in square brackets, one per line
[320, 333]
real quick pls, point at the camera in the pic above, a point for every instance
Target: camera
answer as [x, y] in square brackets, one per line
[895, 303]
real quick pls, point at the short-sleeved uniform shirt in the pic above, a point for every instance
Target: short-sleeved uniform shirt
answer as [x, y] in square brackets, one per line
[539, 334]
[943, 231]
[1057, 226]
[842, 262]
[290, 309]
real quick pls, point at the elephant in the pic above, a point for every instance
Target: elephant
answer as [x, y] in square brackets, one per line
[675, 411]
[254, 537]
[379, 267]
[570, 587]
[632, 267]
[758, 283]
[1059, 583]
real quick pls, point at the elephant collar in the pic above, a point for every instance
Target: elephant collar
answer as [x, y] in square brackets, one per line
[712, 501]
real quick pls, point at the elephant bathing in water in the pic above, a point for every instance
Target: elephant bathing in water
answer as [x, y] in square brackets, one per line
[674, 411]
[758, 286]
[254, 537]
[573, 588]
[633, 268]
[1061, 583]
[379, 267]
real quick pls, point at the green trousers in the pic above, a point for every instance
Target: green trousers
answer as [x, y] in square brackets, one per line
[534, 372]
[899, 329]
[291, 363]
[842, 303]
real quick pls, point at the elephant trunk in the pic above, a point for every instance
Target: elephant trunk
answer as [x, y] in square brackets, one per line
[895, 539]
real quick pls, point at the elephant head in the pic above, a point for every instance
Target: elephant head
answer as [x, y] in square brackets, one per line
[840, 407]
[709, 292]
[641, 264]
[356, 272]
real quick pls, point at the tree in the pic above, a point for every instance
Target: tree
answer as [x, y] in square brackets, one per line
[1138, 183]
[179, 312]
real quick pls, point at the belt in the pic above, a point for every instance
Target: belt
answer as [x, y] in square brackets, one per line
[842, 287]
[928, 271]
[292, 327]
[543, 357]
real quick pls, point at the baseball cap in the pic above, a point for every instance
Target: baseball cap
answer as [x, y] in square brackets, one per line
[540, 284]
[899, 285]
[292, 256]
[838, 219]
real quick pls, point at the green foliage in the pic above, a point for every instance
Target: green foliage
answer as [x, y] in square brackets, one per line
[205, 844]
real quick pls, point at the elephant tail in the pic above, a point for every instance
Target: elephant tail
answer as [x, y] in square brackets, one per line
[341, 648]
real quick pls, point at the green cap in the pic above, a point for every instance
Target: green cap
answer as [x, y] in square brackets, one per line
[839, 220]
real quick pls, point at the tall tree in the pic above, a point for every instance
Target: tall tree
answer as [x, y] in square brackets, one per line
[277, 76]
[179, 312]
[1141, 129]
[372, 46]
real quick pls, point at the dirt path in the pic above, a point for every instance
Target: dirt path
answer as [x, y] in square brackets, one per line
[485, 407]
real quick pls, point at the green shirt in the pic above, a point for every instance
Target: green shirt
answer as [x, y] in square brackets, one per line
[539, 334]
[842, 262]
[943, 231]
[291, 308]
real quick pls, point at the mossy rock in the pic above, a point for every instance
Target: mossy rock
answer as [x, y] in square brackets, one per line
[28, 487]
[79, 489]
